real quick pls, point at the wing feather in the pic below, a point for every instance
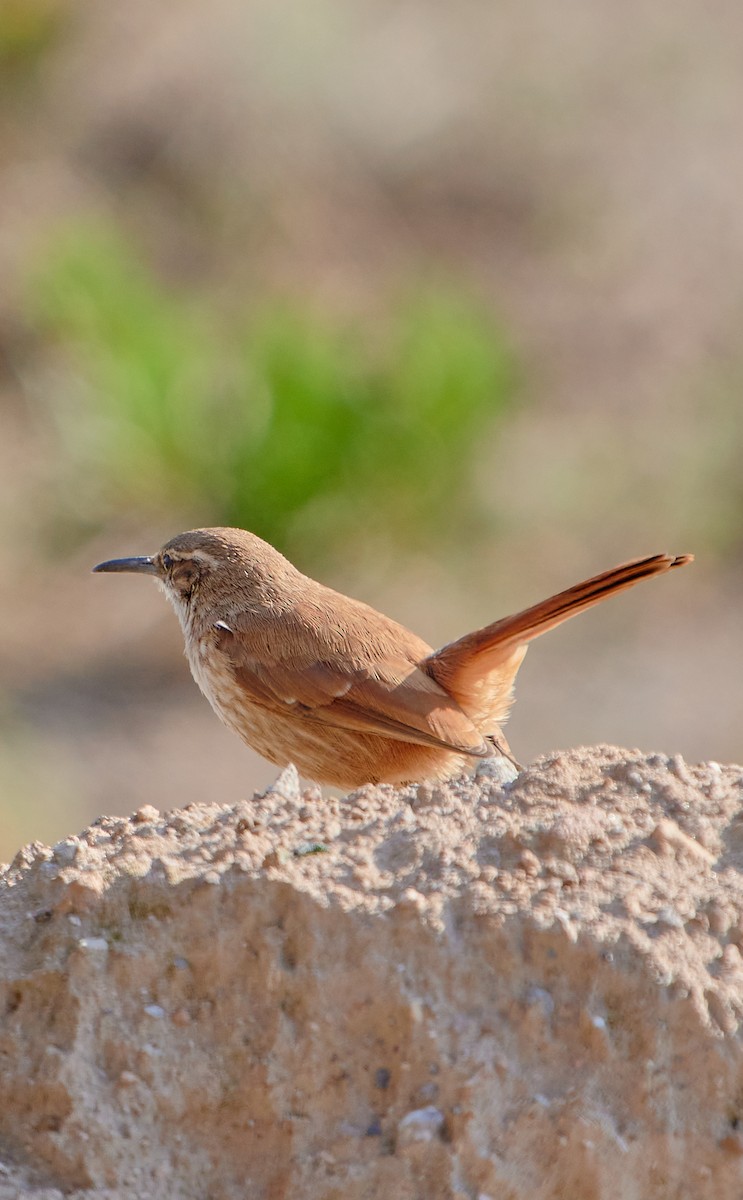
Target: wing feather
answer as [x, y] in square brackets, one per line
[392, 697]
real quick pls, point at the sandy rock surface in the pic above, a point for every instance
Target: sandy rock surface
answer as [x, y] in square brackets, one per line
[485, 991]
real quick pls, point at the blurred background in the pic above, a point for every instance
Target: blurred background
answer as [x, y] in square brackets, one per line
[445, 301]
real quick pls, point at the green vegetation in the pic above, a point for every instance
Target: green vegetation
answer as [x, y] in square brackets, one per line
[27, 29]
[280, 419]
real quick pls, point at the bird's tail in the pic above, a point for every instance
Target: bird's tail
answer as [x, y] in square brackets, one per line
[462, 665]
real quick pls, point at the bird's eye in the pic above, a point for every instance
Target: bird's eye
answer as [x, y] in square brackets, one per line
[167, 561]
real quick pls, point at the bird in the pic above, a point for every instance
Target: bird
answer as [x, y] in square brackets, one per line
[305, 674]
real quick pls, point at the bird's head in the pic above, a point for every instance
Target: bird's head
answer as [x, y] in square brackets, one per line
[207, 572]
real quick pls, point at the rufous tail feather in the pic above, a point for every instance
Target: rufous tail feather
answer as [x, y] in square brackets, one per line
[463, 663]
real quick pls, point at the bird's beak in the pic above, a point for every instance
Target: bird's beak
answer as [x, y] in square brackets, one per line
[141, 566]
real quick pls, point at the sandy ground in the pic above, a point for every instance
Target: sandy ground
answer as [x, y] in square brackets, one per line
[527, 989]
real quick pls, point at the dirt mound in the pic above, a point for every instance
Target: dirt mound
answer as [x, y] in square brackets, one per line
[512, 990]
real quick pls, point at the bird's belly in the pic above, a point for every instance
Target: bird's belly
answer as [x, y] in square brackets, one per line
[345, 758]
[217, 682]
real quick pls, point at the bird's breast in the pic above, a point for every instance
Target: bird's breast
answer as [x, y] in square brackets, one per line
[215, 677]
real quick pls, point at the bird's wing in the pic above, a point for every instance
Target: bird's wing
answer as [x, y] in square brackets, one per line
[387, 695]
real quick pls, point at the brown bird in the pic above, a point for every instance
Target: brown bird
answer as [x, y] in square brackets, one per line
[306, 675]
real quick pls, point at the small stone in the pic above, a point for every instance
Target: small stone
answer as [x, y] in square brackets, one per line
[678, 767]
[97, 945]
[421, 1125]
[145, 814]
[274, 858]
[423, 796]
[529, 863]
[286, 785]
[181, 1017]
[155, 1011]
[497, 768]
[411, 898]
[305, 848]
[67, 851]
[669, 916]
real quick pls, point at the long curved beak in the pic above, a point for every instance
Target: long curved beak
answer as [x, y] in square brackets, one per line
[141, 566]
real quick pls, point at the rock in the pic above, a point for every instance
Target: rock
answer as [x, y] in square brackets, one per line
[501, 769]
[469, 990]
[286, 784]
[421, 1125]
